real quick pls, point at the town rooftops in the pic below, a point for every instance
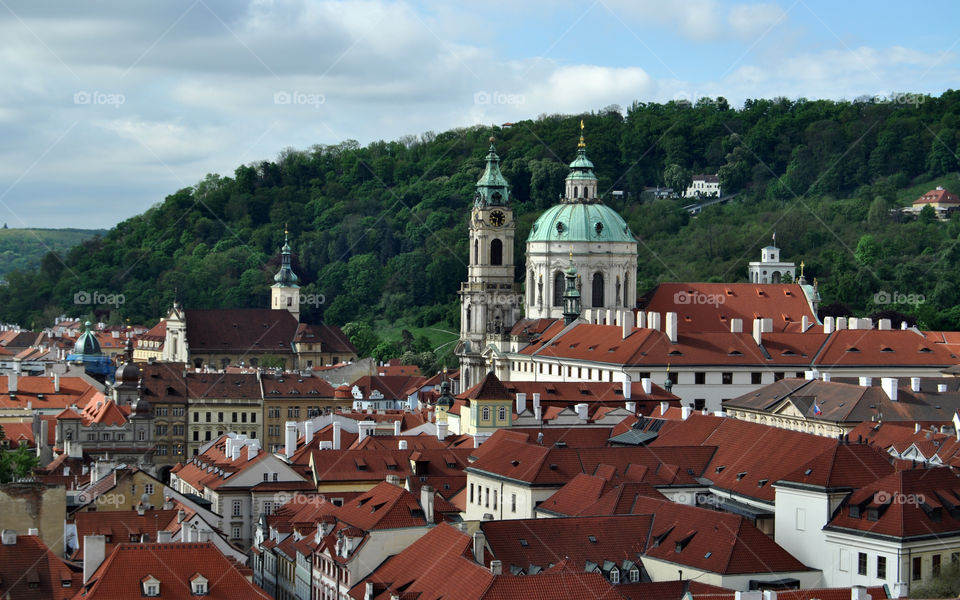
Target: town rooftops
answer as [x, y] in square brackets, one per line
[29, 569]
[844, 466]
[241, 330]
[937, 195]
[120, 526]
[329, 337]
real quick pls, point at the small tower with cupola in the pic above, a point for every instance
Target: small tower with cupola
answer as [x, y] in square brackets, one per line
[490, 298]
[285, 293]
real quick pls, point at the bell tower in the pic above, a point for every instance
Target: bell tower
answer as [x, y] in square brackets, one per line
[490, 298]
[285, 293]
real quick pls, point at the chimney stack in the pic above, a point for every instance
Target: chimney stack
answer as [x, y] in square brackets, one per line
[915, 384]
[402, 445]
[671, 327]
[825, 377]
[647, 384]
[536, 406]
[308, 431]
[12, 383]
[685, 412]
[884, 325]
[889, 385]
[521, 403]
[368, 591]
[336, 435]
[866, 381]
[626, 322]
[479, 544]
[758, 331]
[252, 450]
[426, 502]
[181, 515]
[94, 551]
[496, 567]
[804, 323]
[366, 428]
[641, 319]
[653, 320]
[396, 428]
[442, 429]
[941, 387]
[664, 405]
[9, 537]
[627, 387]
[903, 325]
[291, 438]
[56, 383]
[841, 323]
[631, 406]
[916, 427]
[582, 411]
[736, 325]
[828, 325]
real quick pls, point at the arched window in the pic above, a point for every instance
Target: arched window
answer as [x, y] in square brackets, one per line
[586, 192]
[476, 252]
[469, 320]
[576, 192]
[531, 283]
[558, 285]
[626, 290]
[597, 294]
[496, 252]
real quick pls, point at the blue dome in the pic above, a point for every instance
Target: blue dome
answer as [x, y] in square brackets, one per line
[580, 222]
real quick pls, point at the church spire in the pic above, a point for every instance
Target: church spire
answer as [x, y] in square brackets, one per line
[581, 184]
[492, 187]
[285, 277]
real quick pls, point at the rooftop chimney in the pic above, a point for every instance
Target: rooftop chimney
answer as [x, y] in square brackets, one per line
[825, 377]
[626, 322]
[291, 438]
[396, 428]
[804, 323]
[479, 543]
[627, 386]
[884, 325]
[671, 327]
[181, 515]
[736, 325]
[915, 384]
[426, 502]
[866, 381]
[859, 592]
[308, 431]
[402, 445]
[916, 427]
[903, 325]
[631, 406]
[536, 401]
[828, 325]
[12, 383]
[810, 375]
[366, 428]
[94, 551]
[641, 319]
[889, 385]
[56, 383]
[941, 387]
[841, 323]
[9, 537]
[582, 411]
[653, 320]
[237, 449]
[521, 402]
[758, 331]
[685, 412]
[647, 384]
[336, 435]
[664, 405]
[252, 451]
[442, 431]
[164, 537]
[368, 591]
[496, 567]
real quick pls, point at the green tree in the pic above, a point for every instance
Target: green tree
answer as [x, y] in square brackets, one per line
[677, 177]
[17, 464]
[362, 336]
[944, 585]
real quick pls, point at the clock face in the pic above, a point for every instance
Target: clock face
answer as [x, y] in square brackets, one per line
[497, 218]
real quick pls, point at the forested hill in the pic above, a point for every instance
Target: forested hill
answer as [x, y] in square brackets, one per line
[23, 249]
[382, 229]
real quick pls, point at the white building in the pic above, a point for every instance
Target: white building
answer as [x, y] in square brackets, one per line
[770, 269]
[703, 186]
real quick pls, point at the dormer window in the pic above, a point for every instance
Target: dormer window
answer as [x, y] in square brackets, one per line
[198, 585]
[151, 586]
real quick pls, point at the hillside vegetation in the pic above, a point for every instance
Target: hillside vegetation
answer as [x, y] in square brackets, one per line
[380, 232]
[24, 249]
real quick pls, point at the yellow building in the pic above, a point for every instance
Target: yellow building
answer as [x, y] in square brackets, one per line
[122, 489]
[488, 407]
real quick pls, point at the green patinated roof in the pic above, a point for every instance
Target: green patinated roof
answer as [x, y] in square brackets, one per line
[492, 187]
[87, 343]
[580, 222]
[285, 277]
[581, 161]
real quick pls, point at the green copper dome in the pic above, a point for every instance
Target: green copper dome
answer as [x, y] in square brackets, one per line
[580, 222]
[87, 343]
[492, 188]
[285, 277]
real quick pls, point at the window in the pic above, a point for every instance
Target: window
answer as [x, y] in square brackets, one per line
[178, 411]
[208, 435]
[881, 567]
[727, 378]
[494, 499]
[935, 566]
[955, 557]
[148, 489]
[161, 450]
[198, 587]
[253, 417]
[496, 252]
[243, 417]
[513, 502]
[614, 575]
[699, 378]
[916, 568]
[558, 288]
[209, 417]
[141, 435]
[233, 416]
[236, 533]
[160, 411]
[196, 417]
[161, 430]
[597, 293]
[861, 563]
[471, 493]
[487, 501]
[237, 508]
[485, 413]
[219, 417]
[178, 430]
[756, 378]
[777, 376]
[699, 403]
[196, 435]
[502, 413]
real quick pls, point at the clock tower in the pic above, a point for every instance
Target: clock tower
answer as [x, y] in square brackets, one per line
[490, 298]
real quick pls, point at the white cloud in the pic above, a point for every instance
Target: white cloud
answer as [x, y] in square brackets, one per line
[747, 21]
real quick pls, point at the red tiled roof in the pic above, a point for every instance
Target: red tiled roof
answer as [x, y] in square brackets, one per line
[393, 387]
[843, 466]
[489, 388]
[73, 390]
[937, 195]
[241, 330]
[104, 411]
[330, 338]
[173, 565]
[908, 503]
[120, 525]
[30, 570]
[851, 347]
[569, 586]
[292, 385]
[386, 506]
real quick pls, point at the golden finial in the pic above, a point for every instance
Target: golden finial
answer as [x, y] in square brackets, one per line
[582, 143]
[286, 230]
[801, 268]
[492, 139]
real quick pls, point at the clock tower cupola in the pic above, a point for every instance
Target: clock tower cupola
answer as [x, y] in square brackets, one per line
[490, 298]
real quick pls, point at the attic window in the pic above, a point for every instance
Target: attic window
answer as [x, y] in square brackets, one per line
[886, 349]
[873, 514]
[807, 472]
[853, 349]
[741, 475]
[855, 511]
[675, 353]
[523, 542]
[787, 293]
[593, 539]
[708, 555]
[735, 353]
[515, 462]
[788, 353]
[925, 349]
[720, 468]
[762, 482]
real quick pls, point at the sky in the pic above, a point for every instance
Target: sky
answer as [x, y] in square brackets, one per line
[107, 106]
